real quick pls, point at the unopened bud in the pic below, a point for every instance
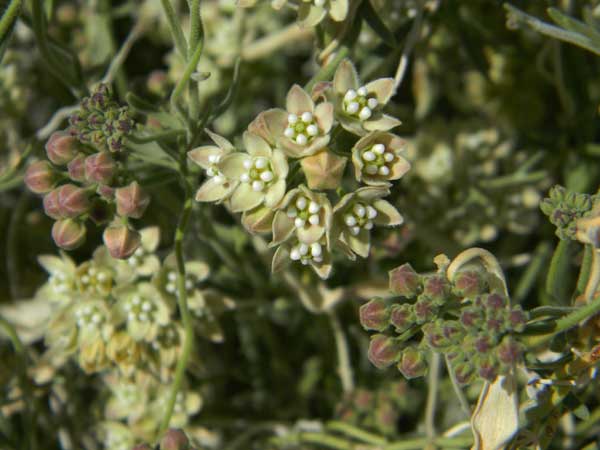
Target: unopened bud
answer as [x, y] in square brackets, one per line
[488, 370]
[375, 315]
[51, 206]
[468, 283]
[72, 200]
[495, 302]
[402, 317]
[413, 363]
[509, 351]
[131, 200]
[517, 319]
[436, 288]
[106, 192]
[404, 281]
[100, 168]
[470, 318]
[323, 170]
[61, 147]
[174, 439]
[68, 234]
[40, 177]
[76, 168]
[464, 373]
[425, 310]
[121, 241]
[384, 350]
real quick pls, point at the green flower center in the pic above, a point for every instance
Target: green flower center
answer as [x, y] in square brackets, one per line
[260, 173]
[359, 104]
[139, 309]
[89, 317]
[377, 160]
[304, 212]
[359, 216]
[301, 129]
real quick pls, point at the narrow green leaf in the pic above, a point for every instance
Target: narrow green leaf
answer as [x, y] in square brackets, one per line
[7, 23]
[557, 280]
[377, 25]
[226, 102]
[574, 25]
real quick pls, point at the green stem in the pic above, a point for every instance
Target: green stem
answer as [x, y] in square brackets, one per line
[156, 137]
[196, 34]
[357, 433]
[191, 67]
[344, 365]
[176, 30]
[462, 399]
[584, 271]
[432, 392]
[594, 277]
[8, 18]
[326, 72]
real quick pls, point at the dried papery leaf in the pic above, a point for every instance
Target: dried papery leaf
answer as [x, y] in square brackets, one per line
[496, 418]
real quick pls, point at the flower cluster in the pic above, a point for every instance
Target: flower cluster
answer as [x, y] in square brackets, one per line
[264, 183]
[85, 177]
[565, 208]
[310, 12]
[467, 319]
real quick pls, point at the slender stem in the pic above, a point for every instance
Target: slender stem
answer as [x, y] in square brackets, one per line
[8, 18]
[344, 366]
[196, 34]
[55, 121]
[176, 30]
[267, 45]
[594, 277]
[584, 271]
[18, 166]
[191, 67]
[357, 433]
[343, 31]
[327, 71]
[135, 33]
[462, 399]
[415, 31]
[433, 380]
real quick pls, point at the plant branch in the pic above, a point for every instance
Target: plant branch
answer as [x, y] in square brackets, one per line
[344, 366]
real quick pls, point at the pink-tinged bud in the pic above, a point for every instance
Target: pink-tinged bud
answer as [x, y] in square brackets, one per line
[131, 200]
[435, 287]
[40, 177]
[404, 281]
[482, 344]
[76, 168]
[495, 302]
[464, 373]
[517, 319]
[470, 318]
[142, 447]
[68, 234]
[61, 147]
[72, 200]
[413, 363]
[488, 370]
[384, 350]
[121, 241]
[509, 351]
[374, 315]
[175, 439]
[106, 192]
[100, 168]
[468, 283]
[363, 400]
[51, 206]
[425, 310]
[434, 335]
[402, 317]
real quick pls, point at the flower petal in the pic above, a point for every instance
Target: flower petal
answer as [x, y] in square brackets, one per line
[310, 234]
[275, 121]
[298, 101]
[283, 227]
[323, 269]
[281, 259]
[383, 88]
[280, 164]
[258, 220]
[201, 155]
[150, 237]
[388, 215]
[381, 122]
[371, 193]
[324, 116]
[232, 166]
[245, 198]
[220, 141]
[338, 9]
[361, 243]
[256, 146]
[345, 78]
[212, 191]
[274, 194]
[399, 168]
[310, 15]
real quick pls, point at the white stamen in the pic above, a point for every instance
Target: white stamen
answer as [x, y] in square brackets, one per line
[315, 249]
[101, 276]
[139, 252]
[219, 179]
[211, 172]
[372, 103]
[288, 133]
[312, 130]
[136, 300]
[352, 108]
[319, 2]
[212, 159]
[355, 230]
[189, 284]
[379, 149]
[384, 170]
[388, 157]
[301, 203]
[303, 249]
[295, 254]
[247, 163]
[292, 212]
[142, 317]
[350, 220]
[371, 169]
[350, 95]
[359, 210]
[362, 91]
[85, 279]
[318, 258]
[257, 186]
[266, 176]
[172, 276]
[301, 139]
[306, 117]
[368, 225]
[146, 306]
[313, 207]
[365, 113]
[314, 219]
[245, 178]
[369, 156]
[292, 118]
[371, 212]
[299, 222]
[261, 162]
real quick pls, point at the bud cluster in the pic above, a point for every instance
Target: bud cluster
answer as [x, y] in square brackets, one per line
[85, 179]
[465, 319]
[304, 208]
[564, 208]
[174, 439]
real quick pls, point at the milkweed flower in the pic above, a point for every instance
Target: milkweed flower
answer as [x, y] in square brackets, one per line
[377, 159]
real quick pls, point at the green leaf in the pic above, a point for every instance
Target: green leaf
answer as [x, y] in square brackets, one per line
[574, 25]
[7, 24]
[558, 275]
[377, 25]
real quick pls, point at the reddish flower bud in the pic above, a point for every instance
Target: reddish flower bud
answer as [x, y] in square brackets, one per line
[470, 318]
[61, 147]
[464, 373]
[51, 206]
[100, 168]
[488, 370]
[413, 363]
[363, 399]
[76, 168]
[425, 310]
[402, 317]
[495, 302]
[174, 439]
[517, 319]
[435, 287]
[121, 241]
[404, 281]
[374, 315]
[68, 234]
[106, 192]
[384, 351]
[131, 200]
[72, 200]
[468, 283]
[482, 344]
[509, 351]
[142, 447]
[40, 177]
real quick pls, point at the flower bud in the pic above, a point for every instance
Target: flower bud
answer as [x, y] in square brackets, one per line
[402, 317]
[174, 439]
[374, 315]
[413, 363]
[121, 241]
[40, 177]
[131, 200]
[517, 319]
[323, 170]
[470, 318]
[509, 351]
[100, 168]
[76, 168]
[51, 206]
[435, 287]
[61, 147]
[434, 334]
[68, 234]
[495, 302]
[488, 369]
[404, 281]
[425, 310]
[464, 373]
[106, 192]
[72, 200]
[384, 351]
[363, 400]
[468, 283]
